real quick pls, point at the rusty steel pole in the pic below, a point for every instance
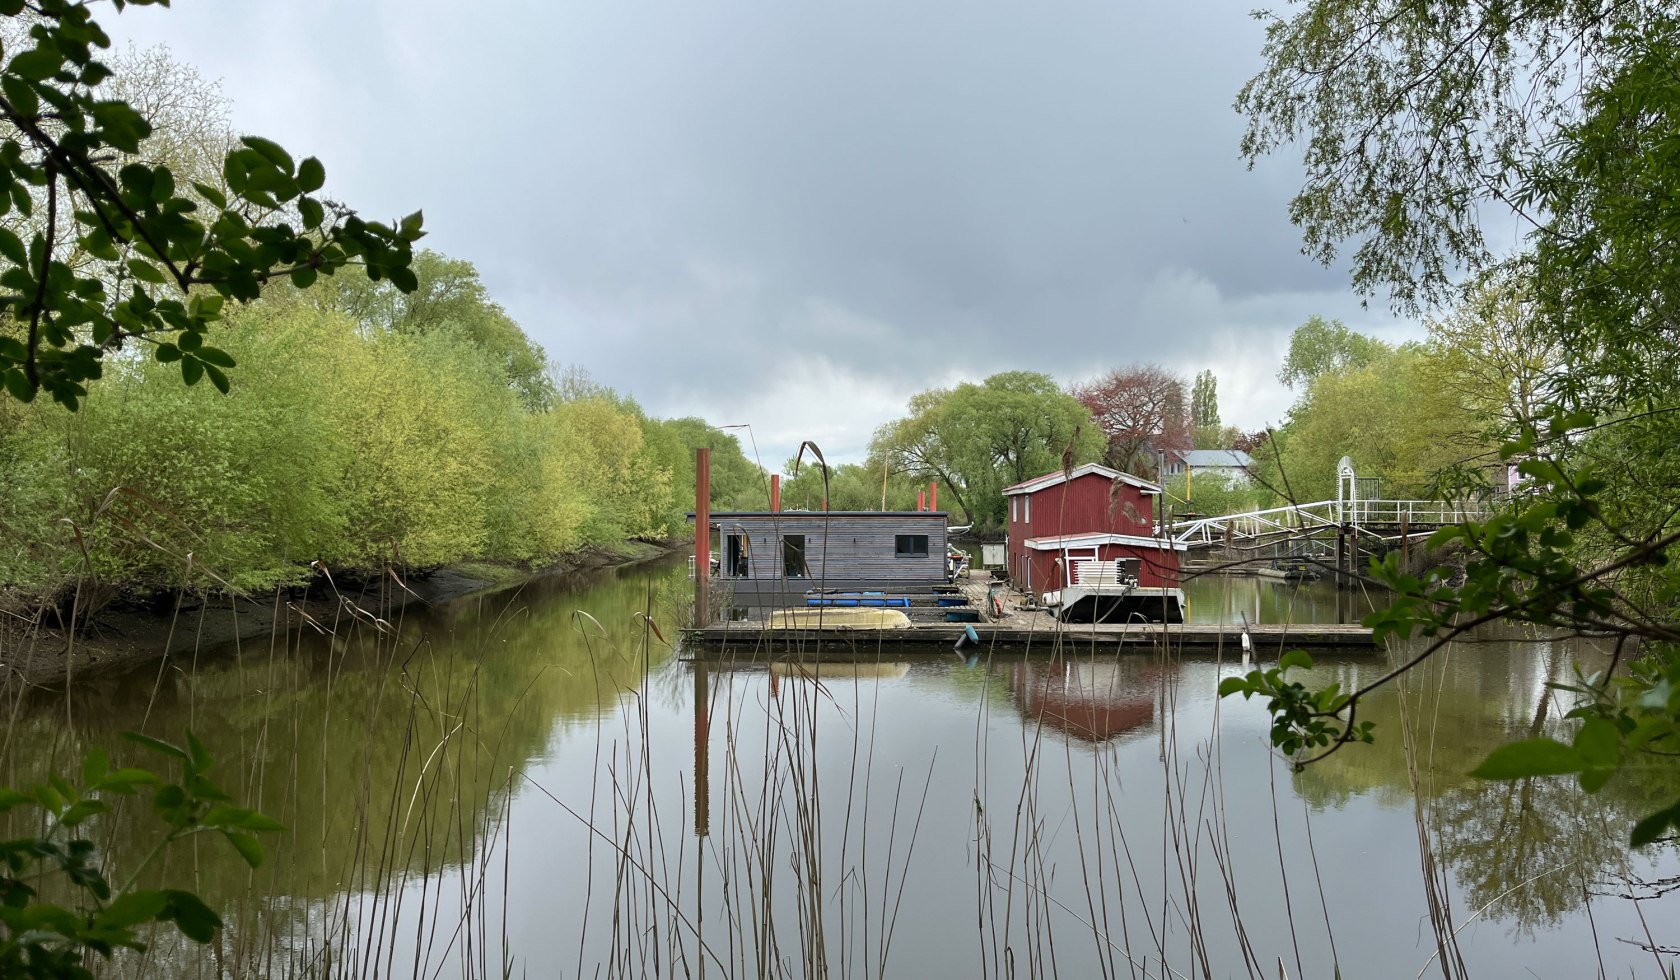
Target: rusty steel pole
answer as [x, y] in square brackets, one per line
[702, 536]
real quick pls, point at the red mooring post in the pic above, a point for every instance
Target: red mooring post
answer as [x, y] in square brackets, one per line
[702, 535]
[921, 500]
[775, 493]
[933, 496]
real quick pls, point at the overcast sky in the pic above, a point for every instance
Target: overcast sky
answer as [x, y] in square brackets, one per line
[797, 214]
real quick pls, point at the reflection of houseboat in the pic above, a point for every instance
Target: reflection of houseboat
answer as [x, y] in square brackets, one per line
[1084, 540]
[1090, 701]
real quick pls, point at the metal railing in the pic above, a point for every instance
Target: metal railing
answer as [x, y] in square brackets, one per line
[1294, 518]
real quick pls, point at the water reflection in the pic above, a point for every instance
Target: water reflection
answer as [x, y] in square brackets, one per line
[1234, 599]
[1090, 701]
[535, 771]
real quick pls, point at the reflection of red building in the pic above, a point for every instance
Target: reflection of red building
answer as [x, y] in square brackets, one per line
[1090, 701]
[1060, 521]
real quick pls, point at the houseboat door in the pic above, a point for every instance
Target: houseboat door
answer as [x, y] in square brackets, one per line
[735, 561]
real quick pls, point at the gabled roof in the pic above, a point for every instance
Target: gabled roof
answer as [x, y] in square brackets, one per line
[1038, 483]
[1215, 458]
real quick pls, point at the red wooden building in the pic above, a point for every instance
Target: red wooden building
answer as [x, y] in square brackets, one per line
[1059, 521]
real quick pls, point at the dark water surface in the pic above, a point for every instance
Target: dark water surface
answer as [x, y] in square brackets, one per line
[535, 783]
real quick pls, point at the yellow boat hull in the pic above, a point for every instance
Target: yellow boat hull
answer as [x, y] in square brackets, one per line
[838, 619]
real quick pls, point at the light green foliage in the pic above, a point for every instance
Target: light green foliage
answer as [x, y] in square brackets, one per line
[1387, 410]
[1321, 346]
[1416, 115]
[1494, 354]
[351, 447]
[117, 248]
[448, 297]
[737, 482]
[851, 486]
[1207, 493]
[52, 941]
[976, 439]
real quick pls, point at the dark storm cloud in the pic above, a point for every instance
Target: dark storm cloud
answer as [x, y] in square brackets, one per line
[795, 215]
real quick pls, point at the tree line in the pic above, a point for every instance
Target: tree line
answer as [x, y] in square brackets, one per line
[366, 427]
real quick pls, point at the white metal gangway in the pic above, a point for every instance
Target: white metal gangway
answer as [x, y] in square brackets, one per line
[1326, 515]
[1348, 509]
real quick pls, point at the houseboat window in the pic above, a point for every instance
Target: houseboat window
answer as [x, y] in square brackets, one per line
[910, 545]
[1026, 509]
[1014, 508]
[735, 556]
[793, 556]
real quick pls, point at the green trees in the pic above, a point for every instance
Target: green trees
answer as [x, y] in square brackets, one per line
[1400, 413]
[156, 258]
[1415, 119]
[351, 446]
[1205, 431]
[976, 439]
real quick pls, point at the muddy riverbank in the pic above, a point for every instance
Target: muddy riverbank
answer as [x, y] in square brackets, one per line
[40, 651]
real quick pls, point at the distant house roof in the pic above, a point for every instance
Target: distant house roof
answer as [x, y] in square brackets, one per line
[1234, 459]
[1038, 483]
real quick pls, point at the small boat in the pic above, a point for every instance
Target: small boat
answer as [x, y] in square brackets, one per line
[838, 619]
[1292, 569]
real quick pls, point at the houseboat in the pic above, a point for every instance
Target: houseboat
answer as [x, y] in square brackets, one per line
[1084, 543]
[783, 559]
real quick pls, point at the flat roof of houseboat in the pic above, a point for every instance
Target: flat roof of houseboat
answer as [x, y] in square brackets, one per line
[824, 513]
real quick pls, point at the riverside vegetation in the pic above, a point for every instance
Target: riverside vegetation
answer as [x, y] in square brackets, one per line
[125, 270]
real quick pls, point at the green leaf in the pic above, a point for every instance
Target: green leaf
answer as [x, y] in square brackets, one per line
[1231, 685]
[200, 755]
[81, 810]
[189, 913]
[125, 780]
[311, 211]
[10, 798]
[132, 909]
[271, 151]
[247, 846]
[168, 353]
[11, 246]
[35, 64]
[156, 745]
[1649, 829]
[303, 278]
[191, 370]
[95, 765]
[1599, 742]
[146, 272]
[1295, 658]
[21, 94]
[310, 176]
[217, 379]
[17, 385]
[211, 194]
[216, 356]
[1530, 757]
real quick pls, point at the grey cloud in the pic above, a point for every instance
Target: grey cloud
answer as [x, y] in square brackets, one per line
[690, 199]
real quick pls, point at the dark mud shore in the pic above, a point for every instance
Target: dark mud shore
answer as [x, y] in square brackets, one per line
[43, 654]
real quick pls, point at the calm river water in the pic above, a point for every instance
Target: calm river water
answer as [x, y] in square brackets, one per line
[535, 784]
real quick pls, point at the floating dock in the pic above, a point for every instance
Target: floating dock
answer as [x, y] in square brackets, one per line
[1268, 641]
